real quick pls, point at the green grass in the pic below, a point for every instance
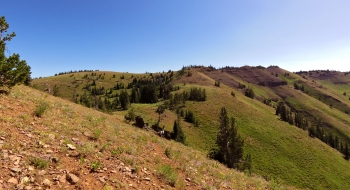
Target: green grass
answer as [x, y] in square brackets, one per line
[168, 174]
[40, 109]
[38, 163]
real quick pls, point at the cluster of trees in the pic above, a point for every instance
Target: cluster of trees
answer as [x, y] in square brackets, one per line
[197, 94]
[229, 149]
[141, 90]
[241, 86]
[12, 70]
[75, 71]
[300, 87]
[188, 115]
[330, 139]
[179, 99]
[293, 118]
[298, 120]
[103, 104]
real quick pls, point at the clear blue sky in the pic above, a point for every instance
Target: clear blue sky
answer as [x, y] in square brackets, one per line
[156, 35]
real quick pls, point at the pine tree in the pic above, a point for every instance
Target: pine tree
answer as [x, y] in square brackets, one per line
[346, 152]
[235, 145]
[229, 143]
[178, 134]
[56, 90]
[12, 70]
[124, 99]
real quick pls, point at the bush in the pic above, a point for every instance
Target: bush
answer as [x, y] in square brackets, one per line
[168, 174]
[40, 109]
[168, 152]
[96, 134]
[95, 165]
[38, 163]
[249, 93]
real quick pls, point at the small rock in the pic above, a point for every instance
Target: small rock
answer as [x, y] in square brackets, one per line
[62, 179]
[147, 179]
[25, 180]
[87, 134]
[71, 147]
[46, 183]
[49, 151]
[13, 180]
[30, 168]
[28, 187]
[75, 139]
[127, 169]
[2, 138]
[42, 172]
[73, 179]
[54, 160]
[105, 169]
[51, 136]
[102, 180]
[188, 179]
[16, 170]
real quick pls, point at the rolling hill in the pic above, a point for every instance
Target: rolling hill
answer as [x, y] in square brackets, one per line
[280, 150]
[51, 143]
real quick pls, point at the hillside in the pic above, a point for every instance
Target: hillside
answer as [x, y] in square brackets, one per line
[72, 147]
[280, 151]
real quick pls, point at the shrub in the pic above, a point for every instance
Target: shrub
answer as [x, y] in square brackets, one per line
[95, 165]
[249, 93]
[38, 163]
[168, 174]
[96, 134]
[118, 151]
[168, 152]
[40, 109]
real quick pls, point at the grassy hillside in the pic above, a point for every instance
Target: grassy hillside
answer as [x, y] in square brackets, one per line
[100, 151]
[280, 151]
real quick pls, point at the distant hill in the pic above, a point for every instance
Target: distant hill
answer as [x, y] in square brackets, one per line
[303, 146]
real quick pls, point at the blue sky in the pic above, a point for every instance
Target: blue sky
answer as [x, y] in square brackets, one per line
[138, 35]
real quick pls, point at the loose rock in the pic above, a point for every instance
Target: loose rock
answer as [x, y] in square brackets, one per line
[71, 147]
[73, 179]
[47, 183]
[51, 136]
[16, 170]
[13, 180]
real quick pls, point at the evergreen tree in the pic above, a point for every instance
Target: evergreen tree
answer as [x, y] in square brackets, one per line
[56, 90]
[124, 99]
[12, 70]
[160, 110]
[235, 145]
[178, 134]
[346, 152]
[229, 143]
